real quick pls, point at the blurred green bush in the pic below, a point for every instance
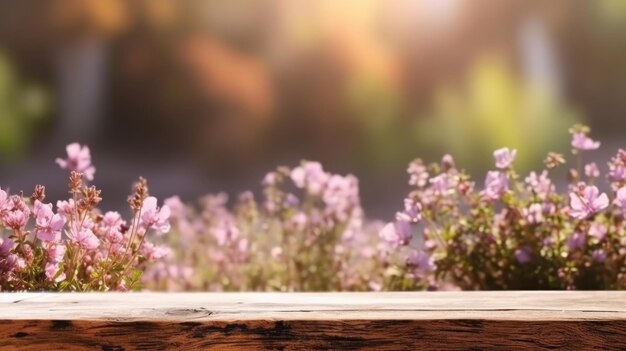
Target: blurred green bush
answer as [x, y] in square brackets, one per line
[23, 107]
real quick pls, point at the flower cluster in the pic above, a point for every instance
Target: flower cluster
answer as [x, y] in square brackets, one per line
[307, 233]
[512, 233]
[77, 248]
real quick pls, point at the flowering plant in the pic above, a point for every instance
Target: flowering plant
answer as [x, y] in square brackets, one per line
[77, 248]
[308, 233]
[515, 233]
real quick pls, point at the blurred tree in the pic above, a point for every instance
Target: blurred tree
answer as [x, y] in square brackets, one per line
[494, 109]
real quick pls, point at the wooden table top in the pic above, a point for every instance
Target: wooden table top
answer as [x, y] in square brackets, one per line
[396, 320]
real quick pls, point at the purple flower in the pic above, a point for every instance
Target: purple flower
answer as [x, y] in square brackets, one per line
[582, 142]
[397, 233]
[599, 256]
[576, 241]
[412, 211]
[78, 160]
[48, 225]
[504, 157]
[496, 184]
[617, 167]
[6, 245]
[620, 199]
[522, 255]
[421, 260]
[444, 184]
[586, 201]
[153, 217]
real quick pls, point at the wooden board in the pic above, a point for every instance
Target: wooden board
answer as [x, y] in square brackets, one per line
[312, 321]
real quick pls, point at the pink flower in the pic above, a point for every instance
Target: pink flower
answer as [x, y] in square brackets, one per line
[55, 252]
[225, 231]
[397, 233]
[591, 170]
[269, 179]
[154, 252]
[598, 230]
[341, 195]
[582, 142]
[447, 161]
[79, 160]
[310, 175]
[3, 199]
[496, 184]
[504, 157]
[374, 286]
[586, 201]
[620, 199]
[66, 209]
[51, 271]
[534, 213]
[15, 214]
[242, 246]
[276, 252]
[85, 238]
[177, 207]
[112, 219]
[418, 173]
[153, 217]
[48, 225]
[111, 227]
[540, 184]
[297, 222]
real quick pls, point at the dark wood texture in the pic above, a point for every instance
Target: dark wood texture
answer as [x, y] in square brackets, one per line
[303, 321]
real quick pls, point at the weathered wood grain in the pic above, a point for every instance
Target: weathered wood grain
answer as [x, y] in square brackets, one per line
[305, 321]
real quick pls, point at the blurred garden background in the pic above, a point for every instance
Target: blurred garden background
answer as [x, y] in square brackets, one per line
[205, 96]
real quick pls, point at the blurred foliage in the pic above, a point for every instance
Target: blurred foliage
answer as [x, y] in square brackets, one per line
[376, 108]
[610, 13]
[22, 108]
[495, 108]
